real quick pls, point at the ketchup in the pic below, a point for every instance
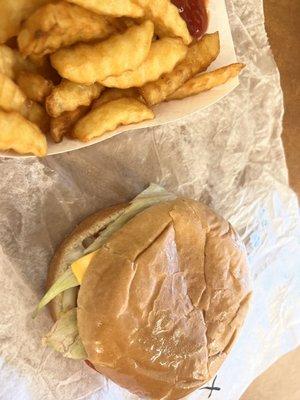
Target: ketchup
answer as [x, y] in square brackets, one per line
[194, 13]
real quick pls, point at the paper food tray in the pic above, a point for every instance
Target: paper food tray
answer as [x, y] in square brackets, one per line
[177, 109]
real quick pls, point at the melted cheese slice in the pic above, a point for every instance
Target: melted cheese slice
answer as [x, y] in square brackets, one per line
[80, 266]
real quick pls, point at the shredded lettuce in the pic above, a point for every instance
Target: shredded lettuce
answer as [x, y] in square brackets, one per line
[64, 337]
[154, 194]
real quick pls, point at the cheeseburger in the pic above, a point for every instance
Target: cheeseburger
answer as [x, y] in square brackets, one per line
[151, 293]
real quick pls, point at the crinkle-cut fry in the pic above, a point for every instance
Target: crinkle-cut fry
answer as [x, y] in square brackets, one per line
[109, 116]
[21, 135]
[206, 81]
[42, 66]
[127, 22]
[11, 62]
[62, 125]
[68, 96]
[13, 12]
[37, 114]
[12, 98]
[89, 63]
[115, 94]
[199, 56]
[164, 55]
[35, 86]
[114, 8]
[7, 61]
[59, 25]
[166, 19]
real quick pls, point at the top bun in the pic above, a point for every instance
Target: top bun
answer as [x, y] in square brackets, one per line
[162, 301]
[73, 246]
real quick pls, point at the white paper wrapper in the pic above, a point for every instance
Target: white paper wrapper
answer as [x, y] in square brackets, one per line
[230, 156]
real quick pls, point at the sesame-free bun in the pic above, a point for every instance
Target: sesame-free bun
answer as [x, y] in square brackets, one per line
[74, 244]
[162, 301]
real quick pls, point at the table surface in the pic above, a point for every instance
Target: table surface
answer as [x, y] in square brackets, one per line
[283, 27]
[281, 380]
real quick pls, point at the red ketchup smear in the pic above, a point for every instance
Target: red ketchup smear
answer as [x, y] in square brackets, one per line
[194, 13]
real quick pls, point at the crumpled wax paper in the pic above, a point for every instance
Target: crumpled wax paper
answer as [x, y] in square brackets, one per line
[230, 156]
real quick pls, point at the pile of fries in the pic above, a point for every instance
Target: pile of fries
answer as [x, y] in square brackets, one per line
[81, 68]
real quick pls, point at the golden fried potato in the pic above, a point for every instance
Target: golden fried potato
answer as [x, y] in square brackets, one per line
[127, 22]
[11, 62]
[89, 63]
[206, 81]
[62, 125]
[42, 66]
[61, 24]
[166, 19]
[115, 94]
[164, 55]
[20, 135]
[199, 56]
[12, 13]
[36, 113]
[109, 116]
[35, 86]
[115, 8]
[68, 96]
[7, 61]
[12, 98]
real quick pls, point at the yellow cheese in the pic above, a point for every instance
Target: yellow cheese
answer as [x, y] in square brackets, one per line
[80, 266]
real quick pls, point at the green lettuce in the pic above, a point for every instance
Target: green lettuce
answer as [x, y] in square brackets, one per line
[154, 194]
[66, 281]
[64, 337]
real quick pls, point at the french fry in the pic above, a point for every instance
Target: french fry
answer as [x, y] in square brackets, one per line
[42, 66]
[36, 113]
[62, 125]
[7, 61]
[61, 24]
[13, 12]
[206, 81]
[199, 56]
[11, 62]
[127, 22]
[68, 96]
[114, 8]
[164, 55]
[166, 19]
[12, 98]
[20, 135]
[115, 94]
[89, 63]
[35, 86]
[109, 116]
